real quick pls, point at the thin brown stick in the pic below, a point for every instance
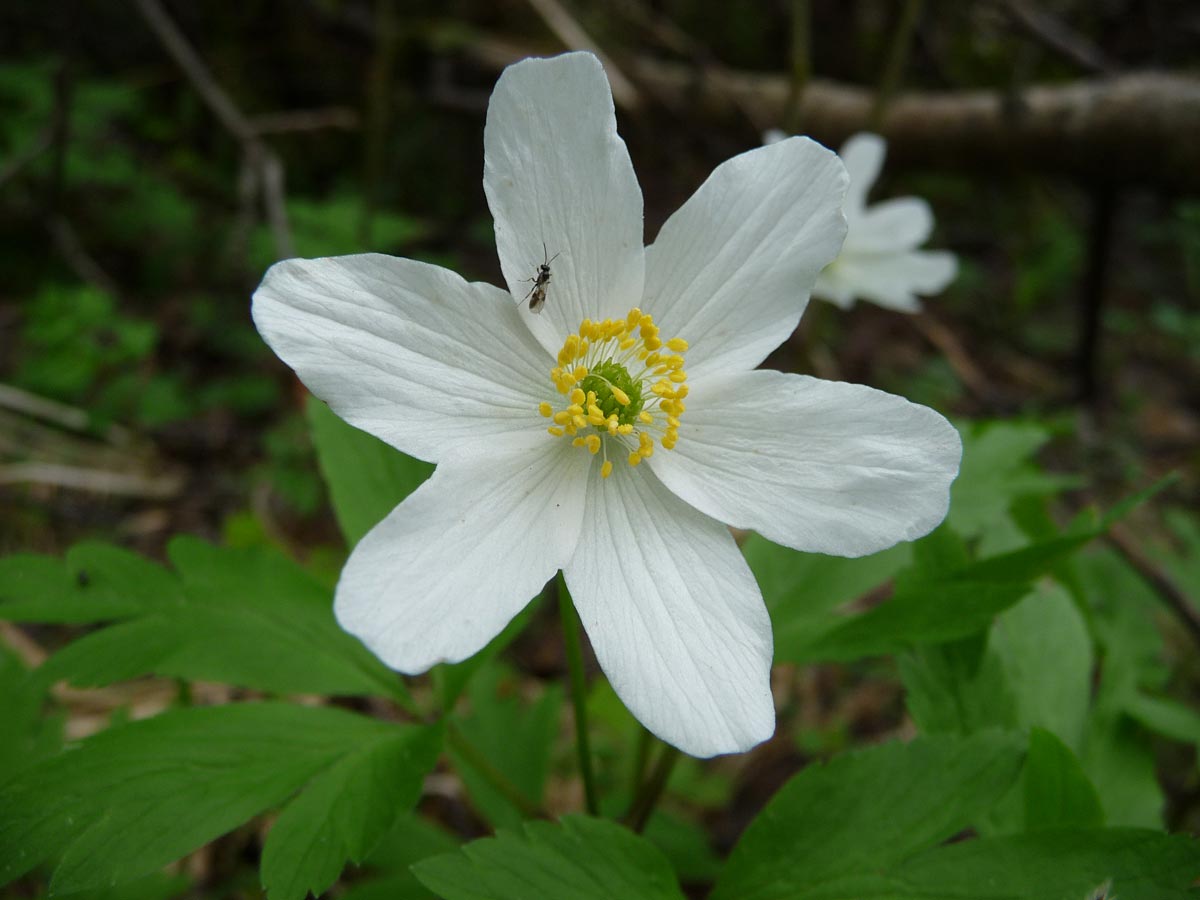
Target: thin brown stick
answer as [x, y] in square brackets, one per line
[258, 154]
[1123, 542]
[568, 30]
[1054, 34]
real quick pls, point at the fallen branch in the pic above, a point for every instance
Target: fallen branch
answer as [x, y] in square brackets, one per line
[99, 481]
[1139, 128]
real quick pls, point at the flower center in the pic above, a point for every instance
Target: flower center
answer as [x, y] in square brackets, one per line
[624, 387]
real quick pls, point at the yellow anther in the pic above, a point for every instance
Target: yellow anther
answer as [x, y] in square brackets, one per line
[622, 397]
[672, 422]
[580, 373]
[579, 442]
[606, 469]
[612, 424]
[635, 458]
[679, 345]
[645, 417]
[595, 415]
[627, 343]
[679, 377]
[634, 317]
[545, 409]
[579, 421]
[578, 397]
[675, 362]
[557, 432]
[624, 429]
[593, 444]
[682, 391]
[562, 417]
[644, 440]
[653, 360]
[653, 343]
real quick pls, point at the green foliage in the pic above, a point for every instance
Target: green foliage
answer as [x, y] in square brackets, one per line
[998, 469]
[248, 617]
[868, 825]
[367, 479]
[26, 735]
[575, 859]
[137, 796]
[334, 227]
[513, 736]
[345, 811]
[94, 582]
[866, 811]
[1057, 792]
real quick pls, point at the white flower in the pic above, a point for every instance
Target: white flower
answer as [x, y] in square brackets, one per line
[463, 375]
[880, 261]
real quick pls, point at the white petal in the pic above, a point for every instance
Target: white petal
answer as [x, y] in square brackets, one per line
[863, 155]
[774, 135]
[674, 615]
[407, 351]
[821, 466]
[555, 171]
[894, 280]
[464, 553]
[893, 225]
[732, 269]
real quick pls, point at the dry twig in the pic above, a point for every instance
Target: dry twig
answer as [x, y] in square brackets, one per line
[259, 156]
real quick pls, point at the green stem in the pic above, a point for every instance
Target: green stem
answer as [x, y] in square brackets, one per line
[574, 648]
[651, 790]
[641, 757]
[897, 62]
[801, 59]
[497, 779]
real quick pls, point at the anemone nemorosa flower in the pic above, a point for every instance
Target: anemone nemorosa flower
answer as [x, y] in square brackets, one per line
[880, 261]
[615, 435]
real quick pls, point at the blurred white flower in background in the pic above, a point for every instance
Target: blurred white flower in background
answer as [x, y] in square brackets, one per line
[880, 261]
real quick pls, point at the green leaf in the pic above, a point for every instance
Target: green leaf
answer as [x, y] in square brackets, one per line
[516, 738]
[997, 469]
[867, 810]
[802, 589]
[1057, 792]
[575, 859]
[367, 479]
[1033, 669]
[131, 799]
[1051, 865]
[411, 839]
[26, 736]
[94, 583]
[249, 617]
[1164, 716]
[345, 811]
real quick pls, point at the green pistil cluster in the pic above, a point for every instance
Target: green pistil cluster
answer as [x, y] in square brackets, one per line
[602, 378]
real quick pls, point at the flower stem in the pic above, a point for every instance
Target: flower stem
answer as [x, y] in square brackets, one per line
[480, 763]
[651, 790]
[574, 648]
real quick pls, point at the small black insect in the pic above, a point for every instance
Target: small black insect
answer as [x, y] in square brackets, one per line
[537, 293]
[82, 578]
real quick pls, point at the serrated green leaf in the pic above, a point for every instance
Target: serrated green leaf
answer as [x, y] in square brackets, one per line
[249, 617]
[575, 859]
[131, 799]
[867, 810]
[1057, 792]
[94, 583]
[345, 811]
[801, 590]
[997, 469]
[367, 479]
[26, 736]
[1053, 865]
